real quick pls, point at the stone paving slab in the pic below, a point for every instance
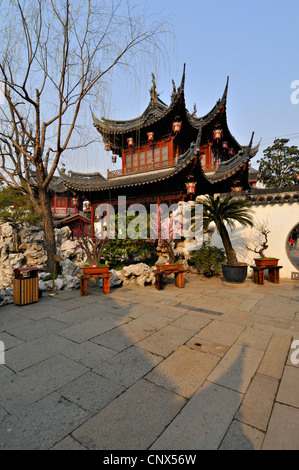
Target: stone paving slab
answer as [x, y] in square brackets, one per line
[20, 390]
[135, 368]
[27, 354]
[203, 422]
[90, 328]
[289, 387]
[36, 329]
[275, 357]
[41, 425]
[128, 366]
[237, 367]
[88, 353]
[221, 332]
[184, 371]
[282, 433]
[68, 443]
[132, 421]
[240, 436]
[91, 392]
[256, 407]
[166, 340]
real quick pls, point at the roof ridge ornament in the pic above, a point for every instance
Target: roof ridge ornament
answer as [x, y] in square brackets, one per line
[153, 91]
[173, 94]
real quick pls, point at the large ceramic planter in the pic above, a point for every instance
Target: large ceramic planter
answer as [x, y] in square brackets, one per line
[266, 262]
[237, 273]
[96, 269]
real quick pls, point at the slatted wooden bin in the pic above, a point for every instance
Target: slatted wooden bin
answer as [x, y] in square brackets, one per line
[25, 285]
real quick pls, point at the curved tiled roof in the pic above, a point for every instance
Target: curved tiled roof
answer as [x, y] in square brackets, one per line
[96, 182]
[230, 167]
[155, 111]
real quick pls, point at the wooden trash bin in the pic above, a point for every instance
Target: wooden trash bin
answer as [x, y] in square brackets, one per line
[25, 286]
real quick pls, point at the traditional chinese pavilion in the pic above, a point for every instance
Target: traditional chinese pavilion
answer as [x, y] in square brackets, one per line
[168, 155]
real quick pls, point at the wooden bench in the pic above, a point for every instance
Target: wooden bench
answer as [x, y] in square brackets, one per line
[259, 276]
[178, 273]
[84, 278]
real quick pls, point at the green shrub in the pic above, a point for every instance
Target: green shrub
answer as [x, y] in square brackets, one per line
[208, 260]
[49, 277]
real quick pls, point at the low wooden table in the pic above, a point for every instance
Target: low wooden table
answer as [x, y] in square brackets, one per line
[106, 281]
[259, 276]
[178, 273]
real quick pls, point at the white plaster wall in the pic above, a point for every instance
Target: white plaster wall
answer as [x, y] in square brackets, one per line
[280, 219]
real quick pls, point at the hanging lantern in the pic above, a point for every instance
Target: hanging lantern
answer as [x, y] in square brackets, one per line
[107, 146]
[113, 158]
[74, 201]
[150, 136]
[225, 145]
[217, 134]
[130, 141]
[190, 187]
[231, 152]
[86, 206]
[176, 126]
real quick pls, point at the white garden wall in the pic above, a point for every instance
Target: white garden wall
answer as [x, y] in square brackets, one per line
[280, 218]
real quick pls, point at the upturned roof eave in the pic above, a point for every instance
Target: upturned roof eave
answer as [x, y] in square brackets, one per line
[109, 126]
[232, 166]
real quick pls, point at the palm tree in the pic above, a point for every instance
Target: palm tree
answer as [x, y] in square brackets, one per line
[230, 211]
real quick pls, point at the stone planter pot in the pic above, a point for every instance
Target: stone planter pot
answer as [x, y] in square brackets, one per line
[266, 262]
[237, 273]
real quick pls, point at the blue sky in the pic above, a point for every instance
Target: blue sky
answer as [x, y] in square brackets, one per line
[255, 43]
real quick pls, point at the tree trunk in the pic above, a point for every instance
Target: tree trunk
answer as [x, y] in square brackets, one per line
[17, 247]
[50, 243]
[230, 252]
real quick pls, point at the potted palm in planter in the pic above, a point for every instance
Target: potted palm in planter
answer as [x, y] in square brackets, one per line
[262, 260]
[228, 210]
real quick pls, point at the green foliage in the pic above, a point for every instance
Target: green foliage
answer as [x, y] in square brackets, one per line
[124, 252]
[49, 277]
[226, 211]
[208, 260]
[16, 208]
[120, 251]
[280, 165]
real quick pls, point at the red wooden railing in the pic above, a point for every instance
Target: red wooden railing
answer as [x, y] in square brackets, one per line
[140, 169]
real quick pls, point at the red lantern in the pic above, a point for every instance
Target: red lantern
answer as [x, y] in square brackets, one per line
[130, 141]
[217, 134]
[176, 126]
[107, 146]
[190, 188]
[113, 158]
[224, 145]
[150, 136]
[231, 152]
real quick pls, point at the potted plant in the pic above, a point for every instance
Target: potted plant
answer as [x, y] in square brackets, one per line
[262, 260]
[93, 249]
[228, 210]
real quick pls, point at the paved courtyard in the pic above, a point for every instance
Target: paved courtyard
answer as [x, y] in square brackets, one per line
[210, 366]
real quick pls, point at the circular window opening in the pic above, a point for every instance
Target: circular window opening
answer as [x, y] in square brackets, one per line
[292, 246]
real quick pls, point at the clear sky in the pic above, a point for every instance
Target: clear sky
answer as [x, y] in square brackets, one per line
[255, 43]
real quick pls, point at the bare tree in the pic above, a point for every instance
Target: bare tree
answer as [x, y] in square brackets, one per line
[54, 55]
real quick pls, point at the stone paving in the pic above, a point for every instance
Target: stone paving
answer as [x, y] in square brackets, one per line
[210, 366]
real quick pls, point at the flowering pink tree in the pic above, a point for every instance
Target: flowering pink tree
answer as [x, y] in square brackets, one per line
[165, 230]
